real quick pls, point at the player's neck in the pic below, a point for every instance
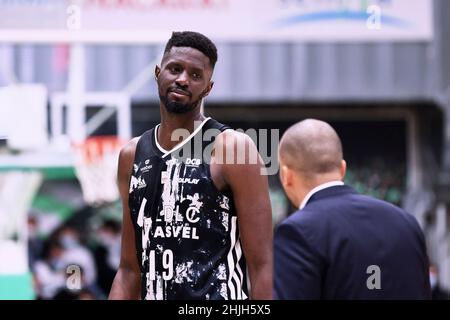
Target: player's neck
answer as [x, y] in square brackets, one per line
[172, 121]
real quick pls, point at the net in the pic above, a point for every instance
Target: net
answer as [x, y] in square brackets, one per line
[96, 168]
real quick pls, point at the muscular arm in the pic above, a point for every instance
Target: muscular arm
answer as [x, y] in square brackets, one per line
[126, 284]
[251, 195]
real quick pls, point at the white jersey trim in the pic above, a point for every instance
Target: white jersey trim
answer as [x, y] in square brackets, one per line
[182, 143]
[235, 275]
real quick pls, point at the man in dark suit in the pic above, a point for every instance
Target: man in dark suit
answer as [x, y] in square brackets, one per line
[340, 244]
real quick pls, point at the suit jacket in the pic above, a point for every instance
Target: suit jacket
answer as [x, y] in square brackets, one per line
[343, 245]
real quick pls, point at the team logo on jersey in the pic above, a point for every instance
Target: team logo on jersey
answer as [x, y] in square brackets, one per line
[137, 183]
[193, 162]
[188, 180]
[225, 220]
[224, 204]
[165, 178]
[184, 232]
[146, 169]
[136, 167]
[147, 166]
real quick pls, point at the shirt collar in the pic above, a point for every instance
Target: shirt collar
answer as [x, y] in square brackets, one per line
[317, 189]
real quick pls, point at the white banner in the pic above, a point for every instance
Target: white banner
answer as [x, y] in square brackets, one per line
[150, 21]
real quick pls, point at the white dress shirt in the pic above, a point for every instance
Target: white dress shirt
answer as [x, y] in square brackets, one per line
[317, 189]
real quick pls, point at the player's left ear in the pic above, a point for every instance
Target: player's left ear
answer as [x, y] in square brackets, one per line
[208, 89]
[157, 71]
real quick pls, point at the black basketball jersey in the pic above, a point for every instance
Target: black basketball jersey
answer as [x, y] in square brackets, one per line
[187, 234]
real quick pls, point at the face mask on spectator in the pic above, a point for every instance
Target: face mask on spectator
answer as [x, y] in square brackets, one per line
[69, 242]
[106, 239]
[32, 234]
[433, 280]
[56, 264]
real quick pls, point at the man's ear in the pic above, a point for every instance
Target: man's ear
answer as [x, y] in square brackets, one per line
[343, 169]
[157, 71]
[208, 89]
[286, 176]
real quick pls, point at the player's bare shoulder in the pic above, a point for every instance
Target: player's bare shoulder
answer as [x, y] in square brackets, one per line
[126, 158]
[233, 148]
[128, 150]
[230, 137]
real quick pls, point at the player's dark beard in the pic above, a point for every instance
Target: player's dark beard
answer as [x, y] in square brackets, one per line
[178, 107]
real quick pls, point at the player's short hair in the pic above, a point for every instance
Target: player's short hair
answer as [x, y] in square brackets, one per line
[193, 40]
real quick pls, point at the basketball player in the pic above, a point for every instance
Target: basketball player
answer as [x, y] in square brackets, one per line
[192, 226]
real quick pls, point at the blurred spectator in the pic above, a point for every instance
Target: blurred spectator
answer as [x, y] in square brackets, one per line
[279, 204]
[84, 292]
[76, 253]
[49, 273]
[382, 179]
[107, 253]
[437, 293]
[35, 243]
